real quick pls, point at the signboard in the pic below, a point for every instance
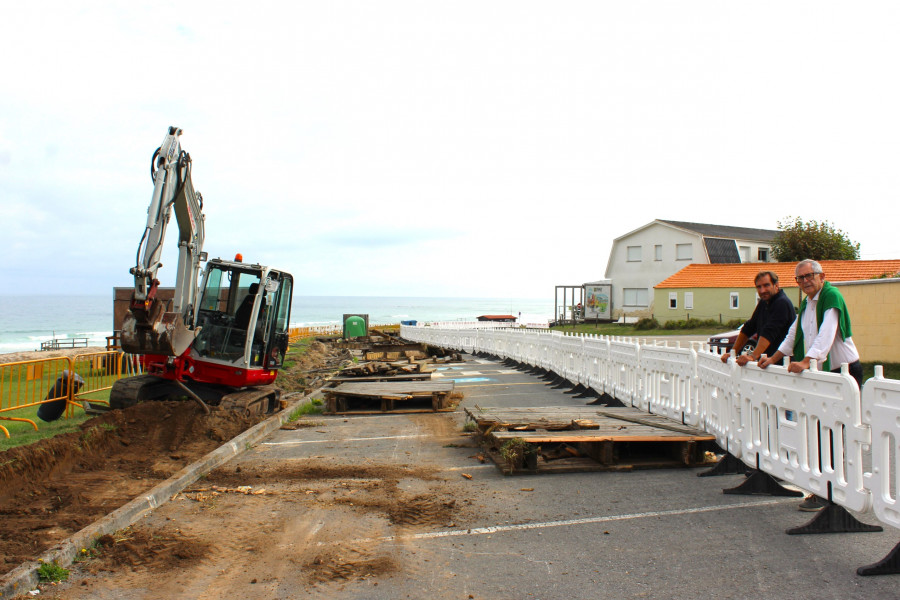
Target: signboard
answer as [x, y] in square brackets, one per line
[597, 304]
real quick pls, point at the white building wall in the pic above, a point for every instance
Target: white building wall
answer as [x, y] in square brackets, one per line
[648, 271]
[754, 247]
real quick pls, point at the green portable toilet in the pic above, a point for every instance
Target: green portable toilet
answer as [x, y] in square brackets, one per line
[354, 326]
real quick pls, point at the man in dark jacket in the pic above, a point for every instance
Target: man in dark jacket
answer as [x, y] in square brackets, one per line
[771, 320]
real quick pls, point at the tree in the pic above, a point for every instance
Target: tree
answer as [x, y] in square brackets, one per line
[797, 240]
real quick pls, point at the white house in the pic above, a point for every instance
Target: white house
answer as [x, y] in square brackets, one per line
[642, 258]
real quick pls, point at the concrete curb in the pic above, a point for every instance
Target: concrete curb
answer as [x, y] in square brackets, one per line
[25, 577]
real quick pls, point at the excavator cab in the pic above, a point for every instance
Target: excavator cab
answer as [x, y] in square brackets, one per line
[243, 315]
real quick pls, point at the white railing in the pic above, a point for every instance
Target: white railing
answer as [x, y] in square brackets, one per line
[814, 430]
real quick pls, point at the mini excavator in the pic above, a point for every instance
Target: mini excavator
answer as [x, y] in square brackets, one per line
[220, 343]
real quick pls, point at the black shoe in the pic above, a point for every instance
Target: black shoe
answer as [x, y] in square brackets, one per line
[812, 503]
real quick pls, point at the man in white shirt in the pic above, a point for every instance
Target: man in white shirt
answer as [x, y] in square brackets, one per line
[824, 328]
[821, 332]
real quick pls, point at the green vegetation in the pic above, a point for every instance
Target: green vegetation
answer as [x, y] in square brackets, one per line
[314, 407]
[297, 349]
[517, 453]
[891, 370]
[798, 240]
[52, 572]
[92, 551]
[21, 434]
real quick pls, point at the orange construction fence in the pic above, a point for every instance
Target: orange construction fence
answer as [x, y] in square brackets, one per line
[297, 333]
[34, 382]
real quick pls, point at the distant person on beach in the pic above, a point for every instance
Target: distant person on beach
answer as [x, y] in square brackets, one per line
[770, 321]
[821, 332]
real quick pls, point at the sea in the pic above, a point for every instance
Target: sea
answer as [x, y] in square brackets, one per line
[27, 321]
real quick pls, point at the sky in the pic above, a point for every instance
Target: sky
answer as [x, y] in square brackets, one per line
[437, 148]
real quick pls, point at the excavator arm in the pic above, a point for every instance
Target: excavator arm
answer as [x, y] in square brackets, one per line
[149, 326]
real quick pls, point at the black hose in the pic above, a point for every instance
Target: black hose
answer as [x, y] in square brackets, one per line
[153, 162]
[137, 257]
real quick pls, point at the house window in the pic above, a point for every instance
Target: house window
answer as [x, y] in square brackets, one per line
[636, 297]
[673, 299]
[734, 300]
[745, 253]
[689, 301]
[763, 254]
[657, 252]
[684, 252]
[634, 254]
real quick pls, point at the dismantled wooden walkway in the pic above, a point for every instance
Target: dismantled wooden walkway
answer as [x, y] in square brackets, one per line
[564, 438]
[388, 396]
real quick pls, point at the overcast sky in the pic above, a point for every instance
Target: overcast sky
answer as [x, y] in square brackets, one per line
[455, 148]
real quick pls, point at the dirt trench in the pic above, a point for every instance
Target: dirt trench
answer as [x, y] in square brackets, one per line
[57, 486]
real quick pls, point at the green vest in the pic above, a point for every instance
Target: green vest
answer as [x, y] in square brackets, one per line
[829, 297]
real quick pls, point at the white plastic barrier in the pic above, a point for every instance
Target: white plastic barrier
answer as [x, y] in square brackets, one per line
[557, 359]
[668, 375]
[881, 409]
[545, 345]
[571, 352]
[812, 429]
[805, 428]
[597, 365]
[720, 414]
[625, 367]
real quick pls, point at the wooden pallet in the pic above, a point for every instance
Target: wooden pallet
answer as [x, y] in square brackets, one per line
[564, 439]
[381, 396]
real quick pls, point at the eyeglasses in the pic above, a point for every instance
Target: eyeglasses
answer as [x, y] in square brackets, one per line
[800, 278]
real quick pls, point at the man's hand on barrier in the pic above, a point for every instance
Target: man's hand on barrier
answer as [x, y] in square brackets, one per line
[799, 366]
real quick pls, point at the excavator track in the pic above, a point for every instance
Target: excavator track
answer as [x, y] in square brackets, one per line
[252, 401]
[249, 401]
[129, 391]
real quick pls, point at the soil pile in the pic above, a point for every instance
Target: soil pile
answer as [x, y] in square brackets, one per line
[310, 369]
[55, 487]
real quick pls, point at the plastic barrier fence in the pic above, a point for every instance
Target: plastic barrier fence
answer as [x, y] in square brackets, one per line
[31, 383]
[814, 429]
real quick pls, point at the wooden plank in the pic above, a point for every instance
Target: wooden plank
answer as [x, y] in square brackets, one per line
[589, 435]
[386, 378]
[395, 390]
[647, 419]
[563, 417]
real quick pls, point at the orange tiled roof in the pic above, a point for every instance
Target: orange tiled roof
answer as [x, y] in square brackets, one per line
[742, 275]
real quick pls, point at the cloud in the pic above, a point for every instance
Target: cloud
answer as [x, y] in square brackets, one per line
[421, 148]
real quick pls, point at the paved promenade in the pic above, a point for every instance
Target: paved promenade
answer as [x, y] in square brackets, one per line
[642, 534]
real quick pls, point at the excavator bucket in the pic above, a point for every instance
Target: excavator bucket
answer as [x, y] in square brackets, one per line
[156, 332]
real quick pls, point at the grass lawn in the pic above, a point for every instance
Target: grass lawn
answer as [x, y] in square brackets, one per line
[22, 434]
